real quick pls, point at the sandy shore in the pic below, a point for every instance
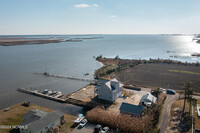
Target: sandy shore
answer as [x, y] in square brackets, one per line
[100, 63]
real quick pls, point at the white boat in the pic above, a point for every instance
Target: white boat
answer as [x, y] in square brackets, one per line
[198, 110]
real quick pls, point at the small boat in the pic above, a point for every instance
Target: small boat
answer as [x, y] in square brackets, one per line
[46, 73]
[86, 74]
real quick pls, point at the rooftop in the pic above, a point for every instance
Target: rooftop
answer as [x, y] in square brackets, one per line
[132, 109]
[37, 119]
[149, 97]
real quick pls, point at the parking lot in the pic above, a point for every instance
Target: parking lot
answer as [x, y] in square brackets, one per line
[88, 128]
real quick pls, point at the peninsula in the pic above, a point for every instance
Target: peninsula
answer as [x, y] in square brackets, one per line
[8, 41]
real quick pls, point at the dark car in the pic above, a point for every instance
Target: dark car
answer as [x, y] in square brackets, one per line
[97, 128]
[172, 92]
[105, 130]
[197, 130]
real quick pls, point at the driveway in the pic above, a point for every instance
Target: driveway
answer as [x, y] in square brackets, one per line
[88, 128]
[163, 124]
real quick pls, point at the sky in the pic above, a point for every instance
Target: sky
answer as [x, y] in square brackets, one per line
[19, 17]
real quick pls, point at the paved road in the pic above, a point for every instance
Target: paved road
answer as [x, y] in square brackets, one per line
[166, 112]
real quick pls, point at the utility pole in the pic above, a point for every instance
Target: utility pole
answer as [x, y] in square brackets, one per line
[192, 118]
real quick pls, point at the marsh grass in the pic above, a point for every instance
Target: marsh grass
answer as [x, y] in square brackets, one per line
[184, 72]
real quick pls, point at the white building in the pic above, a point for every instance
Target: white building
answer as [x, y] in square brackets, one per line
[110, 90]
[148, 99]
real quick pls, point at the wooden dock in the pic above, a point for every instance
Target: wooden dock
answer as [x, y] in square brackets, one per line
[66, 77]
[66, 100]
[37, 93]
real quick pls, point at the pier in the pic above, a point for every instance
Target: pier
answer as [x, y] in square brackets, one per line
[66, 99]
[40, 94]
[65, 77]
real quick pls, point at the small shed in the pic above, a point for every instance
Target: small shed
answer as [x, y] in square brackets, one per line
[148, 99]
[134, 110]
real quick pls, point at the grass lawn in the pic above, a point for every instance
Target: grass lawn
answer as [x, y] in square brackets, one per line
[184, 72]
[14, 116]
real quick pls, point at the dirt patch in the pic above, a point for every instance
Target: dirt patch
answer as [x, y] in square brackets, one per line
[133, 99]
[179, 123]
[85, 94]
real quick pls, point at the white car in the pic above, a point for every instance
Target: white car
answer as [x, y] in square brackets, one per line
[83, 122]
[163, 90]
[79, 119]
[105, 130]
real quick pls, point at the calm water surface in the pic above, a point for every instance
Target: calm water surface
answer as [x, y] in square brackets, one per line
[18, 63]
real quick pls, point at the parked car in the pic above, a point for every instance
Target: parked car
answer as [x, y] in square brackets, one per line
[105, 130]
[163, 90]
[197, 130]
[97, 128]
[79, 119]
[83, 122]
[172, 92]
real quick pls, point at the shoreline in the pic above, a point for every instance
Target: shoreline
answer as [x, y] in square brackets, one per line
[100, 63]
[26, 41]
[12, 41]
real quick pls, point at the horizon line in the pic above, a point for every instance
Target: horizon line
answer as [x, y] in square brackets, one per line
[104, 34]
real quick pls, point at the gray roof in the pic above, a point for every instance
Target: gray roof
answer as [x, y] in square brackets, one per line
[59, 113]
[102, 81]
[131, 109]
[149, 97]
[112, 84]
[32, 116]
[37, 124]
[39, 113]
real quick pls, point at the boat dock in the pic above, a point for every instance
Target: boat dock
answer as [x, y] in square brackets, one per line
[57, 96]
[52, 96]
[65, 77]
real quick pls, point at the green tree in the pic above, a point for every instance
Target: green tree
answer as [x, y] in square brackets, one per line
[188, 92]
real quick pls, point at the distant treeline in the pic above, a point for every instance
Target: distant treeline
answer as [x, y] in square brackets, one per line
[112, 65]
